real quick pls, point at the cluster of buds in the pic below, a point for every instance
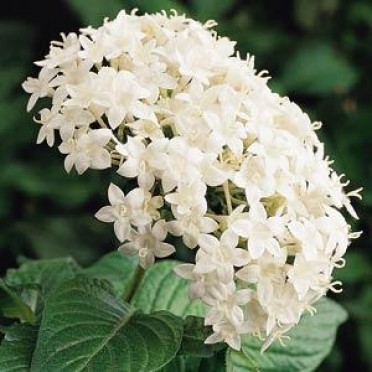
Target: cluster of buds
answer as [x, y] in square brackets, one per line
[208, 154]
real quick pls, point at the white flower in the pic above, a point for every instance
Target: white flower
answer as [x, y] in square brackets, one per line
[227, 332]
[253, 178]
[146, 129]
[336, 231]
[39, 87]
[284, 308]
[148, 243]
[220, 255]
[125, 99]
[93, 50]
[74, 117]
[226, 315]
[275, 147]
[226, 302]
[236, 215]
[84, 93]
[187, 196]
[61, 53]
[200, 282]
[226, 130]
[181, 164]
[140, 160]
[70, 74]
[155, 78]
[308, 236]
[50, 121]
[192, 58]
[191, 226]
[87, 151]
[261, 231]
[207, 153]
[264, 272]
[305, 274]
[124, 35]
[124, 211]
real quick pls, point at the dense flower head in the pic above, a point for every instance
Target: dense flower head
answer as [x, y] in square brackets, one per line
[214, 158]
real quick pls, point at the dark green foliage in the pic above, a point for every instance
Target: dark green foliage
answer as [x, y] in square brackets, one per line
[12, 305]
[160, 291]
[47, 275]
[194, 335]
[87, 327]
[17, 347]
[114, 267]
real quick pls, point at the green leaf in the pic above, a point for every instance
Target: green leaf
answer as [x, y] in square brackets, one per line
[237, 361]
[17, 347]
[94, 11]
[182, 364]
[311, 341]
[36, 279]
[12, 306]
[215, 364]
[211, 9]
[46, 274]
[115, 267]
[162, 289]
[85, 327]
[194, 335]
[318, 69]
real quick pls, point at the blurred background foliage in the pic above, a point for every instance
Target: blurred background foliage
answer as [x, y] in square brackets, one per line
[319, 53]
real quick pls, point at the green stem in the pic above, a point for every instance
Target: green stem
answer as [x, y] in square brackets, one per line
[121, 132]
[134, 284]
[238, 201]
[216, 217]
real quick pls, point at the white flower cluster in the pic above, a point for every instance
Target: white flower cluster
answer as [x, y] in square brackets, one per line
[210, 155]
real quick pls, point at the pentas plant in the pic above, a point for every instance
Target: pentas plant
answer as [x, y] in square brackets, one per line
[207, 153]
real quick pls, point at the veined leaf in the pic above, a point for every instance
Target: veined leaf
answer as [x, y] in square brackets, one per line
[85, 327]
[115, 267]
[47, 274]
[36, 279]
[182, 363]
[17, 347]
[194, 335]
[12, 305]
[162, 289]
[237, 361]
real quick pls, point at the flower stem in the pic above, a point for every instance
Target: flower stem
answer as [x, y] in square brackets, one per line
[121, 132]
[101, 122]
[227, 196]
[216, 217]
[134, 284]
[238, 201]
